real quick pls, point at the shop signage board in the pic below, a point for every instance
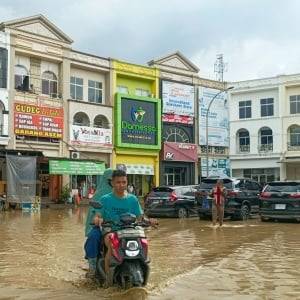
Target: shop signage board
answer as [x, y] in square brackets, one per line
[180, 152]
[76, 167]
[142, 169]
[138, 122]
[178, 99]
[39, 121]
[91, 135]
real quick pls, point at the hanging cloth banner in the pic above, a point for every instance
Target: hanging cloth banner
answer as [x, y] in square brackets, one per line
[21, 178]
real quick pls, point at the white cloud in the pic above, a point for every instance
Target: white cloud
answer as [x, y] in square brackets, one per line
[258, 38]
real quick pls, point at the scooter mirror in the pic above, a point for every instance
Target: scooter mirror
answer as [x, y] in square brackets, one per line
[96, 204]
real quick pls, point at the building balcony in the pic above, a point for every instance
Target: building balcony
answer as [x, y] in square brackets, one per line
[244, 149]
[293, 147]
[265, 148]
[214, 150]
[53, 100]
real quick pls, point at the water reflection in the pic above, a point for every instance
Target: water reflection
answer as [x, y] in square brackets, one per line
[41, 257]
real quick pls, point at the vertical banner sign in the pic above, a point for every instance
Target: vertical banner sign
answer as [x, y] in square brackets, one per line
[218, 126]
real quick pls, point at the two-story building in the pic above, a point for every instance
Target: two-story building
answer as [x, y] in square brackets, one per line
[56, 111]
[265, 128]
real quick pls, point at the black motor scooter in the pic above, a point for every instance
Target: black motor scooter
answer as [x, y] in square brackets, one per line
[129, 265]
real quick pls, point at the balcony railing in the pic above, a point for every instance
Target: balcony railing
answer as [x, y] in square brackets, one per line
[245, 149]
[293, 147]
[265, 148]
[203, 149]
[38, 99]
[214, 150]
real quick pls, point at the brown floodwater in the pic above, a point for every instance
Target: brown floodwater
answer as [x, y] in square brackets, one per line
[42, 257]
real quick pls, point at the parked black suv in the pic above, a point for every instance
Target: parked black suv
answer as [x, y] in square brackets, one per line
[171, 201]
[280, 200]
[242, 197]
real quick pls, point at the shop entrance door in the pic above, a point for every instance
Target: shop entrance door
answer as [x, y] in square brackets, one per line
[169, 179]
[174, 176]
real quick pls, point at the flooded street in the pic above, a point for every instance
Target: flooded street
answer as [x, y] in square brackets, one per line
[41, 257]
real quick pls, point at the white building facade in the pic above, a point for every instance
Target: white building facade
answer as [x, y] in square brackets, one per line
[264, 126]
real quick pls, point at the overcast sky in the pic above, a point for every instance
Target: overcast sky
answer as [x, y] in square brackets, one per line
[257, 38]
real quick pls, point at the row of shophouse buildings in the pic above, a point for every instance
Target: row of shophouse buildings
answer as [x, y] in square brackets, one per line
[66, 116]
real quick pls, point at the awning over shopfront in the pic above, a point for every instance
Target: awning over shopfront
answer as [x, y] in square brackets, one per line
[75, 167]
[142, 169]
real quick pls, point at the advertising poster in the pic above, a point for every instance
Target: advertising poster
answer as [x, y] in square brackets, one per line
[217, 117]
[216, 167]
[90, 135]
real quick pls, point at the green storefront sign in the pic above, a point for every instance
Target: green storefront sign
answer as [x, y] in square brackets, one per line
[71, 167]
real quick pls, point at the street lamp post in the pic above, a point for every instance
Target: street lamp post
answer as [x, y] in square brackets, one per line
[207, 113]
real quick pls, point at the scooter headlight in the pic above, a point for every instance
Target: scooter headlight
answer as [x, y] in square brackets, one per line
[132, 248]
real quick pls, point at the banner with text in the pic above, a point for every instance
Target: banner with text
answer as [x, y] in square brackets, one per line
[91, 135]
[76, 167]
[39, 121]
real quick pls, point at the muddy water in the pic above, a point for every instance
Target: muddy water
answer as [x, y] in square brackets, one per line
[41, 257]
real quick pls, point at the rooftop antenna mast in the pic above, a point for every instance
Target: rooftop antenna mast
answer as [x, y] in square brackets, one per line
[220, 67]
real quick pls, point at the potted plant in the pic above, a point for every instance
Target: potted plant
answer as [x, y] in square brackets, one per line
[65, 194]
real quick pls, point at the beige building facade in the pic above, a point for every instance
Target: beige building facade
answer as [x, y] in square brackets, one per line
[59, 111]
[58, 107]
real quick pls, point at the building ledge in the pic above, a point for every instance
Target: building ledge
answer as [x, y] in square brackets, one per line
[4, 140]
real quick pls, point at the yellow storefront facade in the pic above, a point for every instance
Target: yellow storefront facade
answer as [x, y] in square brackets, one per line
[137, 125]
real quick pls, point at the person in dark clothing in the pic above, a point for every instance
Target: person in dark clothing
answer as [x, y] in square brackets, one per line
[93, 233]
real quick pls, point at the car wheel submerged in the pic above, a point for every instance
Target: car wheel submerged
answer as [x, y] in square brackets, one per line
[245, 213]
[182, 212]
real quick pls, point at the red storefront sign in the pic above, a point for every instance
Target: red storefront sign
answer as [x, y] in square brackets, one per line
[172, 118]
[180, 152]
[40, 121]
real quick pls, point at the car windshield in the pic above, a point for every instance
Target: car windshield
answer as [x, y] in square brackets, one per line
[285, 187]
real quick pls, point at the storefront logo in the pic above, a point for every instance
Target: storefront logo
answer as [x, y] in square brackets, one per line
[137, 114]
[180, 152]
[138, 122]
[169, 155]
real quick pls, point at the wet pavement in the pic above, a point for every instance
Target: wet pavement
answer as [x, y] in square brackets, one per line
[41, 257]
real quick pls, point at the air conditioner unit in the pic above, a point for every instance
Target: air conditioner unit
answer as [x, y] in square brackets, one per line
[75, 155]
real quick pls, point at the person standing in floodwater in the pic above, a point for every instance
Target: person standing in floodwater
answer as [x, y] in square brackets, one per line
[219, 193]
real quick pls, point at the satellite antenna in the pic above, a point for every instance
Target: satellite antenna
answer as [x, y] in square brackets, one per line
[220, 67]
